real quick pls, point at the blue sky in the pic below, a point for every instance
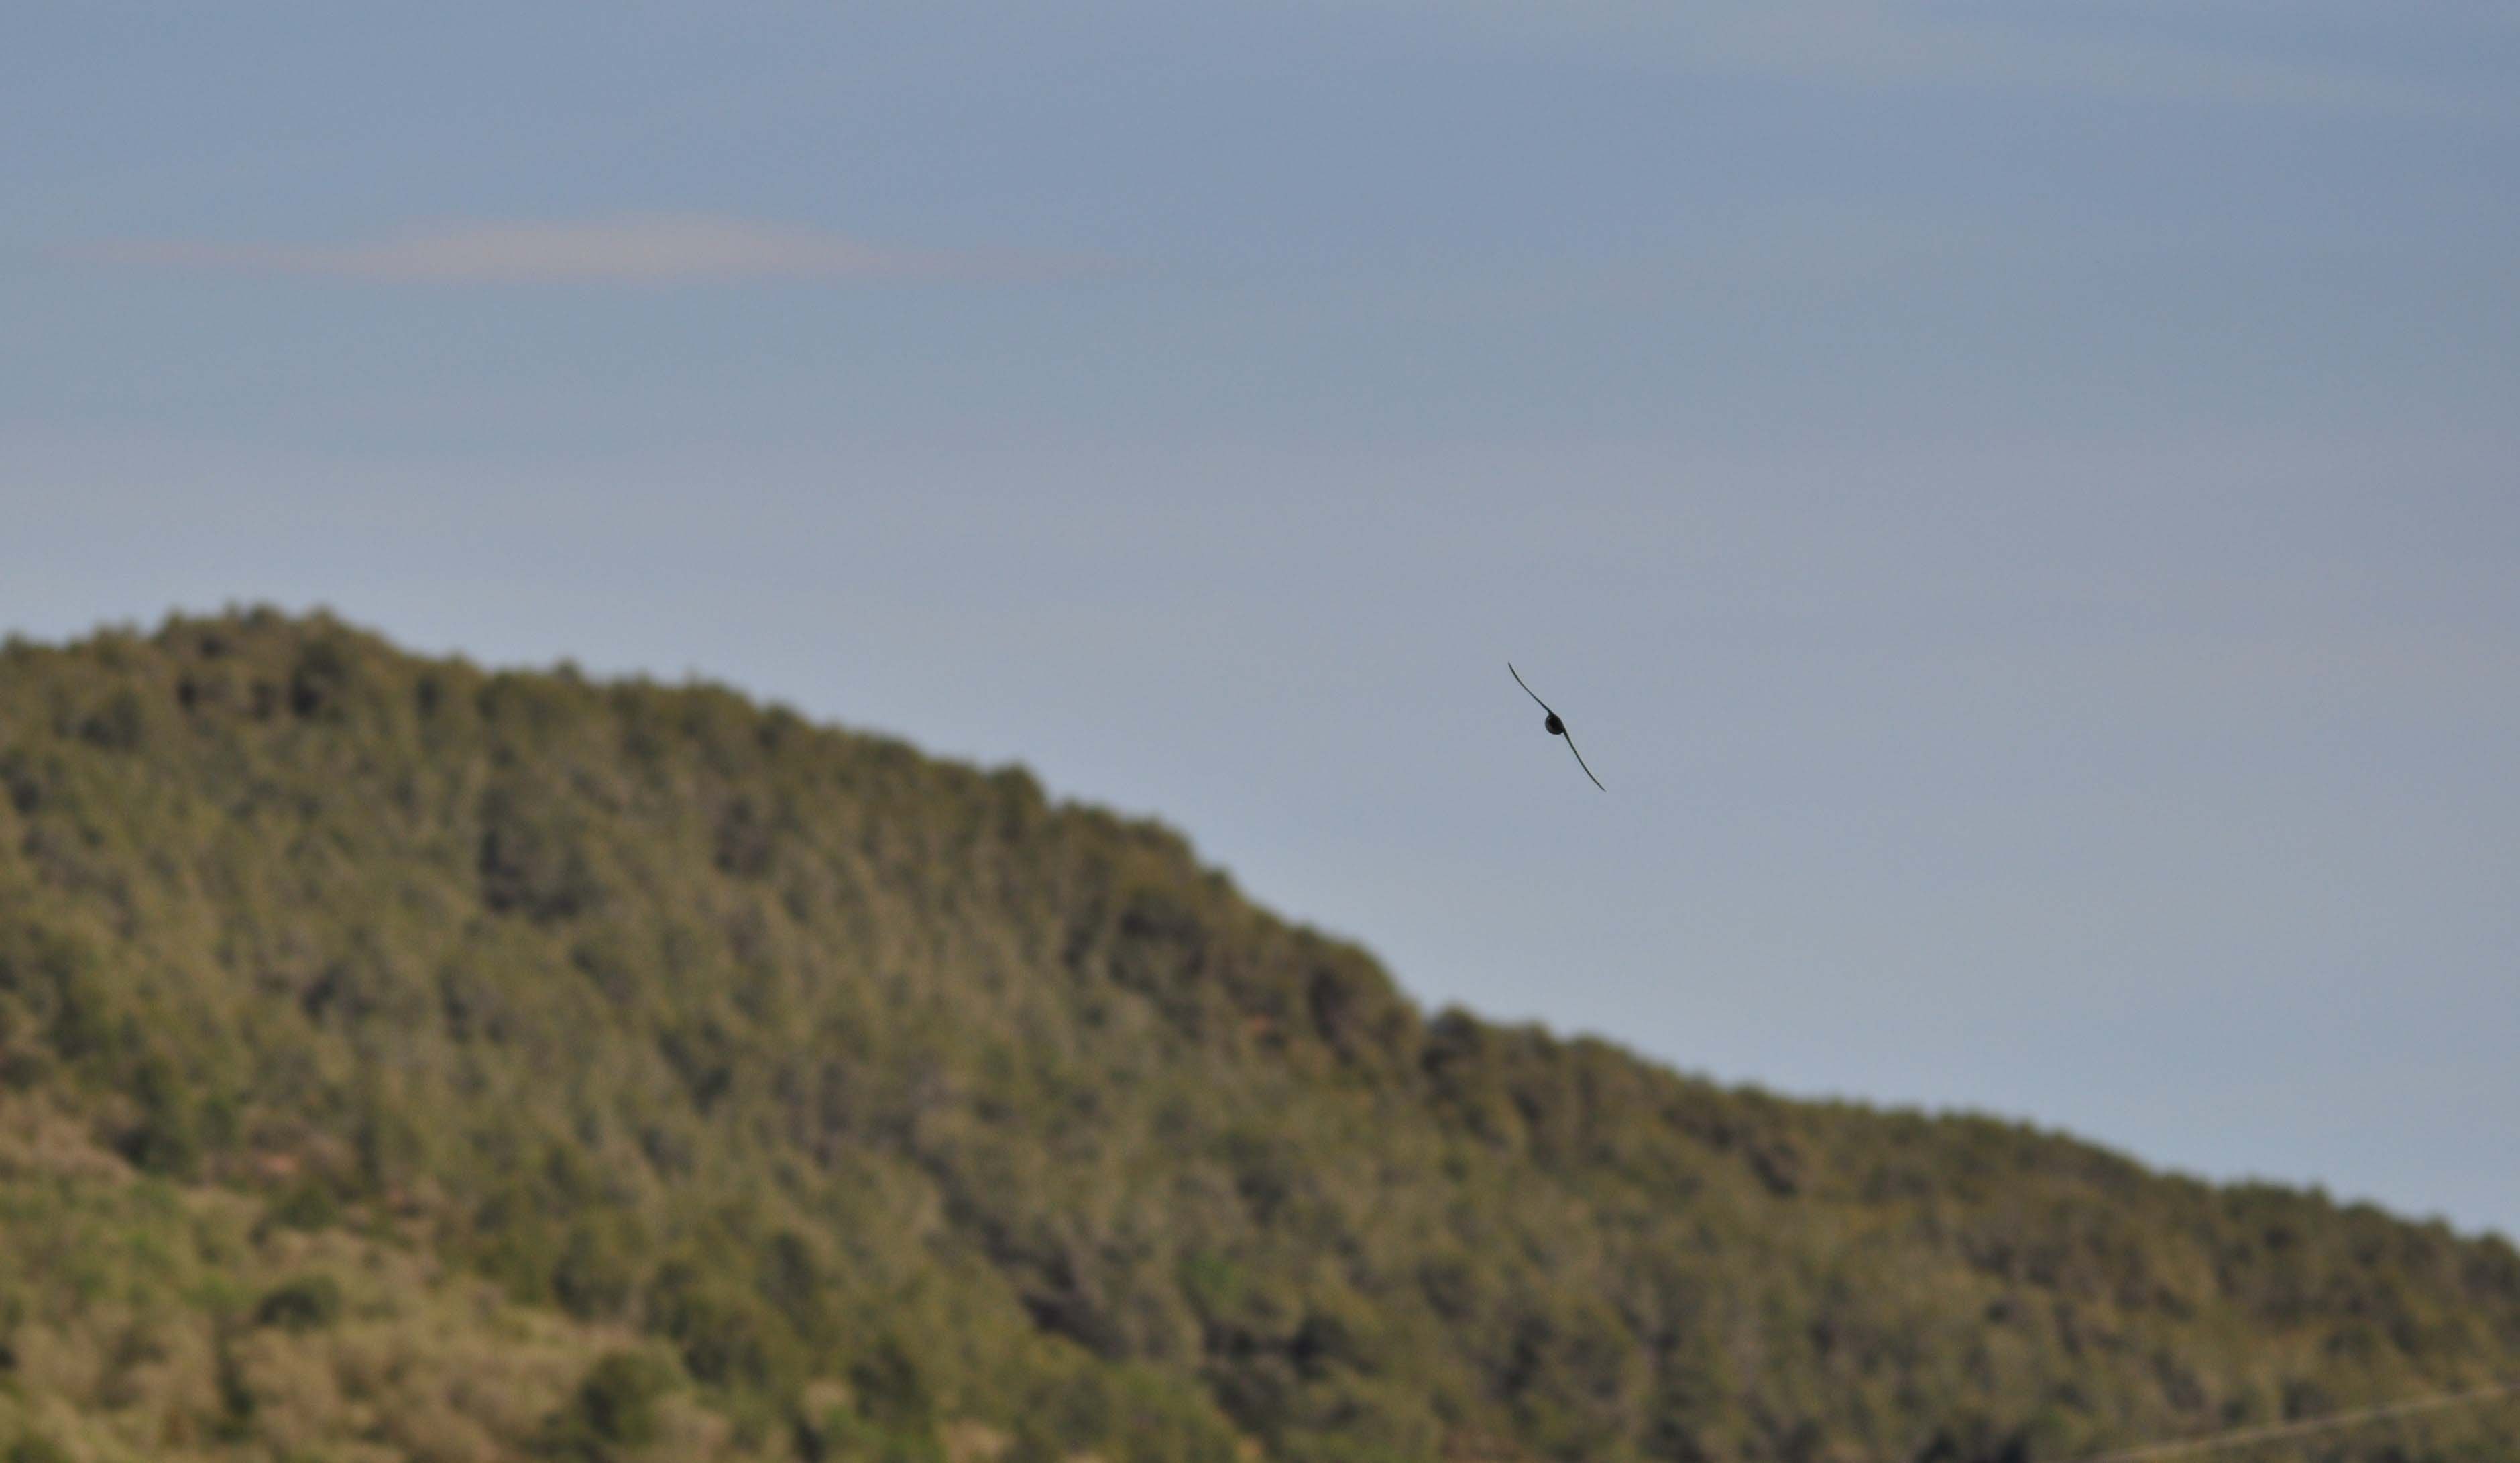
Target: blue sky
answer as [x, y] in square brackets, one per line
[2020, 502]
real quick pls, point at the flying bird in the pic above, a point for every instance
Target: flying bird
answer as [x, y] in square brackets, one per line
[1557, 727]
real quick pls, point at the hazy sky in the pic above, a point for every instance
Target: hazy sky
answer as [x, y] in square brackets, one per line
[2020, 502]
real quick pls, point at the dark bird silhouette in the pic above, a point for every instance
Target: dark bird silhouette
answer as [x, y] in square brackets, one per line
[1557, 727]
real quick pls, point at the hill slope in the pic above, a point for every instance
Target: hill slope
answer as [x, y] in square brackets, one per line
[398, 1060]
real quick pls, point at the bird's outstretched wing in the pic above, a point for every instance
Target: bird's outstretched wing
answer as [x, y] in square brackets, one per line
[1526, 688]
[1579, 759]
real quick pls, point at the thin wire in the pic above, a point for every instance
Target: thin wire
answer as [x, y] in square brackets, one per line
[2268, 1432]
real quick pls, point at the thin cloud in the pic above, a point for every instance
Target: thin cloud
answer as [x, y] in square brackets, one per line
[638, 250]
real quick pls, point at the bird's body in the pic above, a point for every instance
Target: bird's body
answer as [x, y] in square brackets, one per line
[1555, 726]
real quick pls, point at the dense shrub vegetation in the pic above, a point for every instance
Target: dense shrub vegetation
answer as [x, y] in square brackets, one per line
[399, 1060]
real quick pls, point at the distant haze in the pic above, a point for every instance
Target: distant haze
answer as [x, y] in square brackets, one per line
[2019, 511]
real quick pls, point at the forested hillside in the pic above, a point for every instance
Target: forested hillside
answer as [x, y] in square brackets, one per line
[399, 1060]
